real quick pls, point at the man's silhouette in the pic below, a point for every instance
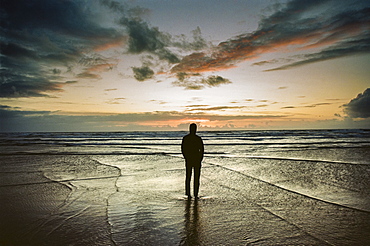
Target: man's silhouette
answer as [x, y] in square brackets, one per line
[192, 149]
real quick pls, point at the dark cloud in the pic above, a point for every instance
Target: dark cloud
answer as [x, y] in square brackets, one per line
[71, 82]
[56, 71]
[308, 106]
[144, 38]
[338, 29]
[359, 107]
[212, 81]
[67, 34]
[47, 25]
[143, 73]
[18, 83]
[43, 39]
[29, 88]
[14, 119]
[197, 82]
[347, 48]
[92, 60]
[262, 63]
[14, 51]
[317, 104]
[88, 75]
[141, 36]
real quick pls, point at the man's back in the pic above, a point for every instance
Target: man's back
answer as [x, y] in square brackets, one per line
[192, 148]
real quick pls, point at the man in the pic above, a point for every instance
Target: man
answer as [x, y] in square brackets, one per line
[192, 149]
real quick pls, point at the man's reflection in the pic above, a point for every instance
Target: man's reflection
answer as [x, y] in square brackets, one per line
[192, 223]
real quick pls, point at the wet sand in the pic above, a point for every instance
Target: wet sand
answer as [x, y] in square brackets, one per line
[138, 200]
[39, 209]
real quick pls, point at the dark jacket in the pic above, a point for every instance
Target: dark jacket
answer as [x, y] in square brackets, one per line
[192, 148]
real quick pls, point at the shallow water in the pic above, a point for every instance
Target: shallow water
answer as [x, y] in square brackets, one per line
[257, 188]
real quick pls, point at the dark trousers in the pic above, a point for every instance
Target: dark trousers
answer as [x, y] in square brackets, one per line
[189, 169]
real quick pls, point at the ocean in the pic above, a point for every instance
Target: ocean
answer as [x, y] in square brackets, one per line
[286, 187]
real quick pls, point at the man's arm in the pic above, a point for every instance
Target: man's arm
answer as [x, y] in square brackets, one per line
[182, 147]
[201, 149]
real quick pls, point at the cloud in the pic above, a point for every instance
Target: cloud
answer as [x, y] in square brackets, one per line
[141, 37]
[115, 43]
[343, 49]
[67, 36]
[218, 108]
[88, 75]
[359, 107]
[117, 100]
[34, 84]
[212, 81]
[15, 119]
[261, 63]
[42, 40]
[94, 66]
[198, 42]
[341, 30]
[21, 75]
[158, 101]
[144, 38]
[196, 106]
[197, 82]
[308, 106]
[67, 17]
[44, 43]
[142, 73]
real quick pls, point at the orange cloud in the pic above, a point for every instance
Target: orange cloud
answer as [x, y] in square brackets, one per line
[283, 31]
[113, 44]
[245, 47]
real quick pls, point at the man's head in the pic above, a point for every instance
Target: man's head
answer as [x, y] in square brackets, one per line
[193, 128]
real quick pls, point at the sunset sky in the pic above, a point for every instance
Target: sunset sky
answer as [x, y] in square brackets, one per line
[84, 65]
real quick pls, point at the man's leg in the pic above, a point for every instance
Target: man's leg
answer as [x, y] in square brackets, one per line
[188, 179]
[196, 179]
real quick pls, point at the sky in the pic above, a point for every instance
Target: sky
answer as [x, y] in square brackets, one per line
[104, 65]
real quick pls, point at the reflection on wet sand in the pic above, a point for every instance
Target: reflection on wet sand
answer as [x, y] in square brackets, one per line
[192, 224]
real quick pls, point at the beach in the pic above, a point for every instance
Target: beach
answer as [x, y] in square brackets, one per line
[129, 190]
